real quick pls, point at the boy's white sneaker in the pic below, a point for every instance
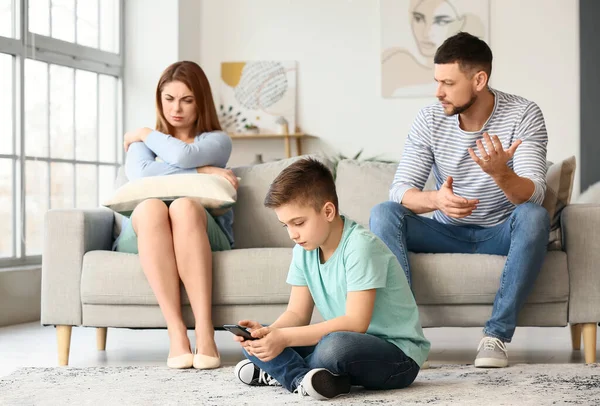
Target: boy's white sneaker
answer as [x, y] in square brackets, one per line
[321, 384]
[252, 375]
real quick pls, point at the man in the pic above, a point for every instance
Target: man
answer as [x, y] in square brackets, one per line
[488, 154]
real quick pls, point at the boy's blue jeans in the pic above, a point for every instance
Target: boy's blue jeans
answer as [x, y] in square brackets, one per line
[369, 361]
[523, 238]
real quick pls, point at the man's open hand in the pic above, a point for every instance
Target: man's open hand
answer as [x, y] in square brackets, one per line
[493, 157]
[452, 205]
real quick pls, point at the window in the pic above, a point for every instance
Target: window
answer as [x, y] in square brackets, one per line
[60, 109]
[6, 18]
[91, 23]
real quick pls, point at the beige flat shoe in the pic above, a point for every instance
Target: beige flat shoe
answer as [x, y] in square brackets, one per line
[181, 361]
[202, 361]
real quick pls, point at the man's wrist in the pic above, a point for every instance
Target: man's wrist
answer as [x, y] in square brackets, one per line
[433, 199]
[503, 175]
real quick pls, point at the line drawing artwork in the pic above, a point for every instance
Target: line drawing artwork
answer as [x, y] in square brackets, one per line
[411, 32]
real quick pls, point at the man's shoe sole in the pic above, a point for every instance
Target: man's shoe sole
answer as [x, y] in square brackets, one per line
[491, 363]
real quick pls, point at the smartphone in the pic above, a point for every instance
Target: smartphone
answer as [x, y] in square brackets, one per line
[239, 331]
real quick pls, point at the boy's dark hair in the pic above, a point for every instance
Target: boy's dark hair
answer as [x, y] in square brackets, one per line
[468, 51]
[306, 182]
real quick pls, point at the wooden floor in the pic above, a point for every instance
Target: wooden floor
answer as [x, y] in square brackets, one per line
[30, 344]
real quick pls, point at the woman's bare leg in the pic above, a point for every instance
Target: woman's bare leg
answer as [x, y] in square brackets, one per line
[194, 263]
[151, 223]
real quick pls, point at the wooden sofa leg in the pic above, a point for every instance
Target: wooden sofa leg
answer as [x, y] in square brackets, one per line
[576, 336]
[589, 342]
[101, 338]
[63, 338]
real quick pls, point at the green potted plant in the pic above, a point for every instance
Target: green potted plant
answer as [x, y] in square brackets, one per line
[250, 129]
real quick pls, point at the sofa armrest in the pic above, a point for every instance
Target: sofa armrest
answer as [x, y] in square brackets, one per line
[68, 235]
[581, 228]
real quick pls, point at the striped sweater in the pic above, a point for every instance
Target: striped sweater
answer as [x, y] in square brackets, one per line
[437, 142]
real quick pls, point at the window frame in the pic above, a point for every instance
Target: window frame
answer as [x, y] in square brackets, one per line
[28, 45]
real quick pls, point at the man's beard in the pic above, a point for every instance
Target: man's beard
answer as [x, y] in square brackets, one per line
[461, 109]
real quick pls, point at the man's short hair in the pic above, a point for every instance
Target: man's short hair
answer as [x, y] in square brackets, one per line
[470, 52]
[305, 182]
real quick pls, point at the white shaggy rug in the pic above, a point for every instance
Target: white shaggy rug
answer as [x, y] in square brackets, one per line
[521, 384]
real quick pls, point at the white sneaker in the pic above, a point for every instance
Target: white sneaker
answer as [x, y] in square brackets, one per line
[252, 375]
[492, 353]
[321, 384]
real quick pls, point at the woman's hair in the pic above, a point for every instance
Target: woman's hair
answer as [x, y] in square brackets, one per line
[192, 75]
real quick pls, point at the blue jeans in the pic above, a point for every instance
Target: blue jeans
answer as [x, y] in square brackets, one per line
[370, 362]
[523, 238]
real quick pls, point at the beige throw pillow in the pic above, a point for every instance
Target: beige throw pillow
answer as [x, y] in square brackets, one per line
[559, 187]
[213, 192]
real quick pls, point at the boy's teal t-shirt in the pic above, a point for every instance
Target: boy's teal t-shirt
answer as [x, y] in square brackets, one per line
[361, 262]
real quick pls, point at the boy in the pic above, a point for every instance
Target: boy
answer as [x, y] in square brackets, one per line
[371, 337]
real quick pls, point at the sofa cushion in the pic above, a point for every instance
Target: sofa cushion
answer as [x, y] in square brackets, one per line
[241, 276]
[361, 185]
[257, 276]
[474, 278]
[254, 225]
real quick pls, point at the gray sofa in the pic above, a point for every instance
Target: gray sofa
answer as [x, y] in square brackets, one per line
[86, 284]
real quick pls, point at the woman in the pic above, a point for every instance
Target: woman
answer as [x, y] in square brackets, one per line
[175, 241]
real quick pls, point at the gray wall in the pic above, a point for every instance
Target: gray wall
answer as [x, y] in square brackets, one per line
[20, 292]
[589, 23]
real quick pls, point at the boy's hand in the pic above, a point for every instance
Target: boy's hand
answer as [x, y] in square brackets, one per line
[250, 325]
[272, 341]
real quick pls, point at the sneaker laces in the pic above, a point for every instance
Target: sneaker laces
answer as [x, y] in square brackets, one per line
[490, 344]
[301, 391]
[265, 378]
